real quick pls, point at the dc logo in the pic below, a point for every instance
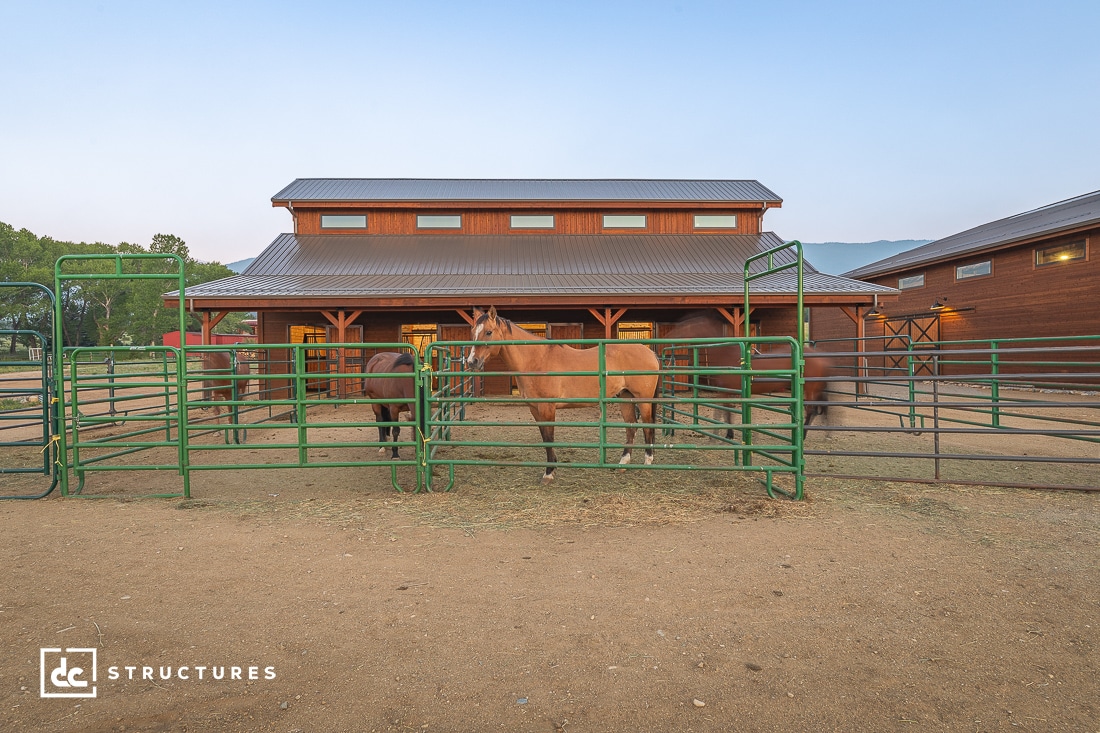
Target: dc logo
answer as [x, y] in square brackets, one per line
[67, 672]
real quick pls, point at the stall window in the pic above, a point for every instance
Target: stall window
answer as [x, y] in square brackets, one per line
[437, 221]
[343, 221]
[1061, 253]
[974, 269]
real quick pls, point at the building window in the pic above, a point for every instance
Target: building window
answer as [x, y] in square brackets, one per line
[624, 221]
[532, 221]
[634, 329]
[420, 335]
[436, 221]
[1060, 253]
[716, 221]
[976, 269]
[913, 281]
[343, 221]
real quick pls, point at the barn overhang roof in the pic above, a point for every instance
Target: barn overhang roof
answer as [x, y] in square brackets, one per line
[426, 271]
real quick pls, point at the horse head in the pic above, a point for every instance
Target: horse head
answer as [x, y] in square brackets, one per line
[487, 330]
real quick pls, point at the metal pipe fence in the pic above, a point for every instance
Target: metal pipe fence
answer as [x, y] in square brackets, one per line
[458, 421]
[1011, 413]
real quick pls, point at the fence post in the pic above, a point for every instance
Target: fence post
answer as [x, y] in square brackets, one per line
[936, 413]
[995, 385]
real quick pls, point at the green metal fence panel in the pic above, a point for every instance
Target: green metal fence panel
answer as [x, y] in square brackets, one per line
[124, 401]
[770, 446]
[114, 266]
[1022, 413]
[28, 404]
[304, 407]
[771, 267]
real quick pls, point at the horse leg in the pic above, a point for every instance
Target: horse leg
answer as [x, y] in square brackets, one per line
[544, 413]
[630, 416]
[646, 411]
[396, 434]
[382, 415]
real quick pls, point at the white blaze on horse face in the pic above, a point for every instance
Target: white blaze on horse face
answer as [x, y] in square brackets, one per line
[477, 331]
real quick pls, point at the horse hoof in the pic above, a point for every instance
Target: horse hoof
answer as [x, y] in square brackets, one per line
[547, 479]
[649, 460]
[381, 451]
[624, 460]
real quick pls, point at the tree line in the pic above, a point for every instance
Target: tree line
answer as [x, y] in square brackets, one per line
[98, 312]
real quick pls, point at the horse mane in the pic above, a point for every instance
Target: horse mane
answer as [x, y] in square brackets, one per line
[404, 359]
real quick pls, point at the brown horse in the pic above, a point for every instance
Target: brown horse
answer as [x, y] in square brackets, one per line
[489, 329]
[216, 389]
[399, 390]
[819, 365]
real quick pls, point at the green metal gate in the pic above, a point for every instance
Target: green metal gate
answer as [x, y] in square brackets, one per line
[28, 408]
[109, 416]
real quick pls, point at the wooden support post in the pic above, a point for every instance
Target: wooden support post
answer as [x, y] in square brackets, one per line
[861, 361]
[608, 319]
[208, 324]
[737, 319]
[341, 319]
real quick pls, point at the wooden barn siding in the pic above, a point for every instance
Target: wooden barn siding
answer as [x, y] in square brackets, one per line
[403, 221]
[274, 328]
[1019, 300]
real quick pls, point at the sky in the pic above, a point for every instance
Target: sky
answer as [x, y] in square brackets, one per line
[871, 120]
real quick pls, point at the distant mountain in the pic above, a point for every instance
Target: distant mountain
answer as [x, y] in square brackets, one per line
[835, 258]
[239, 265]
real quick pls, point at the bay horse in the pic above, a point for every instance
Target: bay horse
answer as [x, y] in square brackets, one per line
[399, 389]
[489, 329]
[220, 389]
[819, 365]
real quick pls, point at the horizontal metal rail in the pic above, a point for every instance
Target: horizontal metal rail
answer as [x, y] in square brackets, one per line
[771, 447]
[963, 409]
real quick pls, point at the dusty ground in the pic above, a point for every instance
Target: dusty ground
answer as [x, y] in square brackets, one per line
[610, 602]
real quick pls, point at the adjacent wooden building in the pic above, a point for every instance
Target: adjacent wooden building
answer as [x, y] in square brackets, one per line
[406, 260]
[1034, 274]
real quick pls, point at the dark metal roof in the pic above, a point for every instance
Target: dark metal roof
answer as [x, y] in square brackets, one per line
[1081, 211]
[522, 189]
[320, 266]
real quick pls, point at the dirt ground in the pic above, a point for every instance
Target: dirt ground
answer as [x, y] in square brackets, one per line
[608, 602]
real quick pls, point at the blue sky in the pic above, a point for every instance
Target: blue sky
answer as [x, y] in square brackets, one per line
[872, 120]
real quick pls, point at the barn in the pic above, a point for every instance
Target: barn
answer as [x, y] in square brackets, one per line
[1033, 274]
[373, 260]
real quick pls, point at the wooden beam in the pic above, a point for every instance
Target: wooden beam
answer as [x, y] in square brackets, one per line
[736, 319]
[853, 314]
[465, 316]
[608, 319]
